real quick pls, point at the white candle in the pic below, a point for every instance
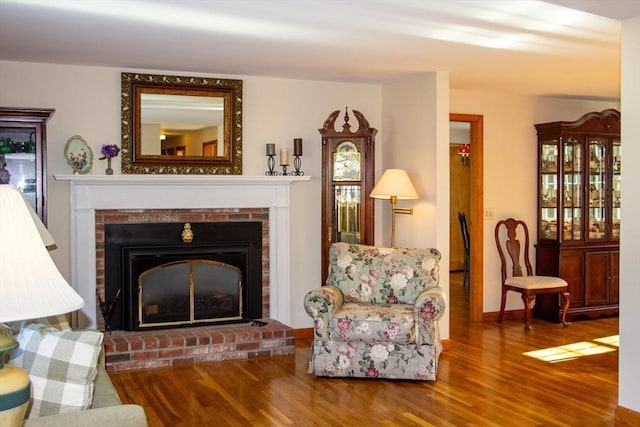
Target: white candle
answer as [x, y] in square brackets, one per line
[284, 156]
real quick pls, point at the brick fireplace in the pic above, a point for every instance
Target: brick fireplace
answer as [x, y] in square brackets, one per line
[166, 198]
[220, 219]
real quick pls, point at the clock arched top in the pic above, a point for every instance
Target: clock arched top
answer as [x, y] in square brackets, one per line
[328, 129]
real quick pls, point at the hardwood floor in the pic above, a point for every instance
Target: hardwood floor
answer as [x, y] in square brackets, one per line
[486, 379]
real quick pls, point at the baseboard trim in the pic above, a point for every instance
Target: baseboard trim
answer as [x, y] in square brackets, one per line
[447, 344]
[627, 416]
[492, 316]
[303, 333]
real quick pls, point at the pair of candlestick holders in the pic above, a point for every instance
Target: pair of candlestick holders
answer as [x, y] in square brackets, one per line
[284, 160]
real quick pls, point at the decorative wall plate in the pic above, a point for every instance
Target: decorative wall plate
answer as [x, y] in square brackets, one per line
[78, 155]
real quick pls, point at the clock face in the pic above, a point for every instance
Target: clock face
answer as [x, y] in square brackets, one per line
[346, 166]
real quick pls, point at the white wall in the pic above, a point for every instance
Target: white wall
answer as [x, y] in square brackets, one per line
[510, 164]
[416, 122]
[87, 103]
[629, 369]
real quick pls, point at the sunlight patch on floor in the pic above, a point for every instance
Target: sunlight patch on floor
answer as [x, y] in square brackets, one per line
[573, 351]
[613, 340]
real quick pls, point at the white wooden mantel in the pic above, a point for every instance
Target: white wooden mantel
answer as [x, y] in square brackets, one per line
[91, 192]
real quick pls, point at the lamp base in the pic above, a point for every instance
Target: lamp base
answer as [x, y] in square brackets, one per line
[14, 388]
[13, 417]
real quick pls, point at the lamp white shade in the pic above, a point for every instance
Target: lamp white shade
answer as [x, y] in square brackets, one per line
[30, 284]
[46, 237]
[394, 182]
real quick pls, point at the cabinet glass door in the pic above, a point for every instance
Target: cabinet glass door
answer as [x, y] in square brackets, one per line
[347, 193]
[549, 190]
[571, 194]
[347, 213]
[597, 189]
[23, 160]
[18, 160]
[615, 193]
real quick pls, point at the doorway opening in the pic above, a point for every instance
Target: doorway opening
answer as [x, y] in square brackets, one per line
[475, 206]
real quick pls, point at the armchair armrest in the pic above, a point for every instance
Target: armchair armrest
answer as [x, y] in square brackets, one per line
[320, 304]
[428, 308]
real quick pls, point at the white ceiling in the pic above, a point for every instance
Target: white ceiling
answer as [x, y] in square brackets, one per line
[518, 46]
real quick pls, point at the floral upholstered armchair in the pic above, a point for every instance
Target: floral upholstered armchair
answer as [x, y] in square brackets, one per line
[377, 315]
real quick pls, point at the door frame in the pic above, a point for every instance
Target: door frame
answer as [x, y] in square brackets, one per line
[476, 217]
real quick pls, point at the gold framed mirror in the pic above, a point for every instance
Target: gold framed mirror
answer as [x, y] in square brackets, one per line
[181, 125]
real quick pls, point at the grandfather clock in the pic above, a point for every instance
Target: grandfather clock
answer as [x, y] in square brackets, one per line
[347, 180]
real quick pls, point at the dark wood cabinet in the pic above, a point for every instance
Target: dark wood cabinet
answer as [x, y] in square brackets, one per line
[579, 166]
[347, 180]
[601, 281]
[23, 153]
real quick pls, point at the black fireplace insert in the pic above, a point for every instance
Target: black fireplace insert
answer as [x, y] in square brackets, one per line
[162, 281]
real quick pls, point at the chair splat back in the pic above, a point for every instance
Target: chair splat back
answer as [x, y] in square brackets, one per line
[512, 246]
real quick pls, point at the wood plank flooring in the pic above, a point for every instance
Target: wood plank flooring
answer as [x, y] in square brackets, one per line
[485, 380]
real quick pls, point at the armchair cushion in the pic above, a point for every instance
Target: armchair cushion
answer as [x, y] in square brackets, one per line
[367, 322]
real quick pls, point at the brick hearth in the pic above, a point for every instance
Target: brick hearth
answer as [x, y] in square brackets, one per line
[187, 346]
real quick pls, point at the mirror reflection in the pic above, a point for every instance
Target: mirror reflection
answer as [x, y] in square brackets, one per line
[181, 125]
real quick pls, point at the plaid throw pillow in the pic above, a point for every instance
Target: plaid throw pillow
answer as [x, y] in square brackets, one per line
[59, 322]
[61, 366]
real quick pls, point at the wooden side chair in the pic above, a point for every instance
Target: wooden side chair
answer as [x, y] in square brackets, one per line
[528, 285]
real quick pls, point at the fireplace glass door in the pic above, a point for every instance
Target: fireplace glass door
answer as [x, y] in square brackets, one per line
[190, 291]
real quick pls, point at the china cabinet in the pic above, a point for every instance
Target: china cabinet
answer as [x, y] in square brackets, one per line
[579, 213]
[23, 153]
[347, 181]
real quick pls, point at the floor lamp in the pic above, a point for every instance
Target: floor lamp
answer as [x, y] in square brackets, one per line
[395, 185]
[30, 287]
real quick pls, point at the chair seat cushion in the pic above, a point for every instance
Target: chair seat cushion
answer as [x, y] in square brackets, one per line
[367, 322]
[535, 282]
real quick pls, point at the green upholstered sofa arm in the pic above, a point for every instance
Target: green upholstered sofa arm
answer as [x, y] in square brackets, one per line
[120, 416]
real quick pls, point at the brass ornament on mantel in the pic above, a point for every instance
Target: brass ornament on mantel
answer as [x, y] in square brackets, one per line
[187, 234]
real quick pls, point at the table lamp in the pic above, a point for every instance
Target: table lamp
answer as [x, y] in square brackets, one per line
[30, 287]
[395, 185]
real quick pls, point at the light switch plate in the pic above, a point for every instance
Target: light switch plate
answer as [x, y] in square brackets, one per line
[488, 213]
